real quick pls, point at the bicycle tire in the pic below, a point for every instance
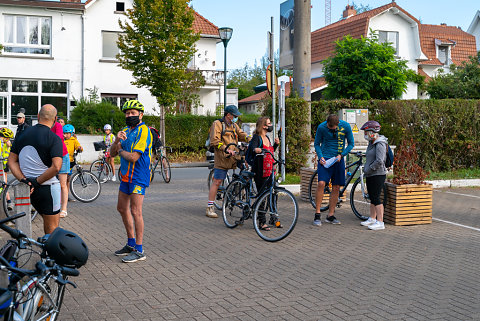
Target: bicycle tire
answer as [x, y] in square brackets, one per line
[152, 172]
[232, 212]
[43, 306]
[79, 186]
[166, 170]
[360, 202]
[10, 212]
[312, 192]
[102, 170]
[279, 210]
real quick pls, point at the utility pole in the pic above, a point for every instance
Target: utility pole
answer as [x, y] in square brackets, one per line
[273, 79]
[302, 54]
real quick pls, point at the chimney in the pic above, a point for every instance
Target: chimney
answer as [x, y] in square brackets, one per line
[349, 11]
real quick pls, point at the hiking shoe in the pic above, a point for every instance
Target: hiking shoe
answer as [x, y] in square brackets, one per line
[332, 220]
[377, 226]
[368, 222]
[210, 212]
[134, 256]
[125, 250]
[317, 222]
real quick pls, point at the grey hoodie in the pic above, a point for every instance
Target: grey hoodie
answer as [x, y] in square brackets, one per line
[376, 155]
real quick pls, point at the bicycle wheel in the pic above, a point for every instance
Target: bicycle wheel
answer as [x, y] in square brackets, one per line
[360, 200]
[102, 170]
[85, 186]
[48, 300]
[9, 208]
[312, 192]
[166, 171]
[233, 203]
[279, 210]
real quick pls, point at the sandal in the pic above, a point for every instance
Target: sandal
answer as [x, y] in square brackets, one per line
[264, 227]
[63, 214]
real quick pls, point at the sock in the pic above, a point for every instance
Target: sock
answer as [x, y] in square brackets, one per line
[210, 203]
[317, 217]
[139, 248]
[9, 201]
[131, 242]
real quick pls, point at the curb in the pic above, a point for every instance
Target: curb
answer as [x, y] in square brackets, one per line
[455, 183]
[294, 188]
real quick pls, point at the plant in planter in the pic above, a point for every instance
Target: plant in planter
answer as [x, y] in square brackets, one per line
[409, 197]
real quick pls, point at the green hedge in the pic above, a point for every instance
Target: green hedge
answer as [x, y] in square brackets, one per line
[446, 132]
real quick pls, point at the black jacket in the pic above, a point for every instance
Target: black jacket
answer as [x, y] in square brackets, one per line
[21, 128]
[256, 142]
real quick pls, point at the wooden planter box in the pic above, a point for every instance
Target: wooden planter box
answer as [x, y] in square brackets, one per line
[409, 204]
[305, 175]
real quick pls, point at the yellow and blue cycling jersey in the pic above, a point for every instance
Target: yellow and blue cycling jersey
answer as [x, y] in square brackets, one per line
[138, 140]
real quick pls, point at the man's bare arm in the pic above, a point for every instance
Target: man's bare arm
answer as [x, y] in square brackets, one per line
[14, 166]
[51, 171]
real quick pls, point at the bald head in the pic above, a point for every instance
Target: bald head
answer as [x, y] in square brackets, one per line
[47, 115]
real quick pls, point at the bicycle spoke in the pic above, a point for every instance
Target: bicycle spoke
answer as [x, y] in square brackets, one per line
[232, 207]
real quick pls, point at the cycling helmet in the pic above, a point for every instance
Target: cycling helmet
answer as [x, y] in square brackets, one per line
[66, 248]
[133, 104]
[5, 132]
[371, 125]
[68, 129]
[107, 126]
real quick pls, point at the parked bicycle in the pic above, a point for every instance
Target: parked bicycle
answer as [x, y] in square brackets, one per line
[101, 168]
[9, 207]
[161, 158]
[272, 205]
[359, 198]
[84, 185]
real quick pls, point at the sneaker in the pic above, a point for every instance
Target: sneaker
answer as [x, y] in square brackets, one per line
[125, 250]
[71, 199]
[10, 207]
[317, 222]
[114, 179]
[368, 222]
[377, 226]
[211, 212]
[134, 256]
[332, 220]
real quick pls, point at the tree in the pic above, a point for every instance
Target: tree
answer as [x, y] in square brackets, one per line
[157, 46]
[462, 82]
[366, 69]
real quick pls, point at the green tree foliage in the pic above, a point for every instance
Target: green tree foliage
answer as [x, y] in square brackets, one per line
[366, 69]
[462, 82]
[157, 45]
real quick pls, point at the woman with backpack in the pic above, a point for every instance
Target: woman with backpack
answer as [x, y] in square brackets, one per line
[375, 172]
[262, 165]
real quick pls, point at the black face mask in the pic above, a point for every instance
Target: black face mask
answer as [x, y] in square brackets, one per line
[132, 121]
[270, 128]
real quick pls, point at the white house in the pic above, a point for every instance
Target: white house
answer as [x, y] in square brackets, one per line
[474, 28]
[56, 50]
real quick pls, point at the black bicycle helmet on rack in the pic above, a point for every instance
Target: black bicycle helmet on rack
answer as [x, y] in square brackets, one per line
[66, 248]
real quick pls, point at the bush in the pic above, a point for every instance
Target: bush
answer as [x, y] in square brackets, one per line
[89, 117]
[297, 139]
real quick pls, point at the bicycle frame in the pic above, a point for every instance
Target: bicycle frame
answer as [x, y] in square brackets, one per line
[358, 166]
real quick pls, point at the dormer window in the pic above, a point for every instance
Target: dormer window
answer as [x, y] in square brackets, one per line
[120, 7]
[390, 37]
[444, 47]
[443, 54]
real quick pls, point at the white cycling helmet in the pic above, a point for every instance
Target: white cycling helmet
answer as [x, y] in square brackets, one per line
[107, 126]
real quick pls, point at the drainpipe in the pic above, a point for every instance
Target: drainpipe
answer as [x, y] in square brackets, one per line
[82, 72]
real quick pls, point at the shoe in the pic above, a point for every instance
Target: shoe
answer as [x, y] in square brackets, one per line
[125, 250]
[71, 199]
[368, 222]
[134, 256]
[317, 222]
[114, 179]
[377, 226]
[63, 214]
[211, 212]
[9, 207]
[332, 220]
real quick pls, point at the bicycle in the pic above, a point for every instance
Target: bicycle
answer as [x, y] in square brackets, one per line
[84, 185]
[9, 208]
[273, 204]
[164, 165]
[359, 198]
[101, 168]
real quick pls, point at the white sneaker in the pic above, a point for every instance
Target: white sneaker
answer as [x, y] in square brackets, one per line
[377, 226]
[211, 212]
[368, 222]
[114, 179]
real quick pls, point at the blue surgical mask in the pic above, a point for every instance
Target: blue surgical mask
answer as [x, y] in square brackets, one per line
[235, 119]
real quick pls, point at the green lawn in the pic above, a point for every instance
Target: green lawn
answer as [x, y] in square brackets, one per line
[457, 174]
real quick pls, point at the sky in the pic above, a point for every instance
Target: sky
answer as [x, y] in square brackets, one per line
[250, 20]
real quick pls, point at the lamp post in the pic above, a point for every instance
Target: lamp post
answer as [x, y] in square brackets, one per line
[225, 34]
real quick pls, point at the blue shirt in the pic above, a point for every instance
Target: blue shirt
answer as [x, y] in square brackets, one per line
[331, 143]
[139, 139]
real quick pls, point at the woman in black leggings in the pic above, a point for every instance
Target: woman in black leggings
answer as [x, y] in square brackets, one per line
[375, 172]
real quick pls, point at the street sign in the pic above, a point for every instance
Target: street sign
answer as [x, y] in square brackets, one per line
[269, 80]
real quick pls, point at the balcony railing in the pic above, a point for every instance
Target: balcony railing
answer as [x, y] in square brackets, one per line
[213, 77]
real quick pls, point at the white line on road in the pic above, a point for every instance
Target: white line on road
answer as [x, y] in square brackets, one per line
[461, 225]
[468, 195]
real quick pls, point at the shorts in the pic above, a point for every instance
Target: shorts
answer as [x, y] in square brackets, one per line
[46, 199]
[65, 169]
[335, 173]
[130, 188]
[219, 173]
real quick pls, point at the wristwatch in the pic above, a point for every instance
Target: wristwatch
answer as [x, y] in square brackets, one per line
[119, 151]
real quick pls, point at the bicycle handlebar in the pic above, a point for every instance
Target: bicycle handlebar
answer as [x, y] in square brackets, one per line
[273, 156]
[14, 233]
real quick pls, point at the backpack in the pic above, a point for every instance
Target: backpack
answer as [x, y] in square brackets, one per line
[211, 149]
[250, 154]
[156, 143]
[389, 159]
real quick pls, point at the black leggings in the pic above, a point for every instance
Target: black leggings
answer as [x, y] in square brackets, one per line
[375, 187]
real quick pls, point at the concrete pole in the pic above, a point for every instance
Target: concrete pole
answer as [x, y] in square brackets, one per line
[282, 122]
[274, 85]
[22, 204]
[302, 54]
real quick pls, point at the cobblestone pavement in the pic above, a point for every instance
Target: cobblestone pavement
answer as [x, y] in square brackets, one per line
[197, 269]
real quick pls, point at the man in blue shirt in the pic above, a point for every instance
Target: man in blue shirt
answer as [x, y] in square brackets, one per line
[330, 147]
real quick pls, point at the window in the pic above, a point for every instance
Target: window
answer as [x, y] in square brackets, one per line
[3, 85]
[27, 35]
[443, 54]
[390, 37]
[118, 99]
[120, 7]
[110, 48]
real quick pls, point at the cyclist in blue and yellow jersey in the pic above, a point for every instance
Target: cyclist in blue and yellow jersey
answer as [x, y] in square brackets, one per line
[134, 146]
[108, 139]
[5, 145]
[330, 148]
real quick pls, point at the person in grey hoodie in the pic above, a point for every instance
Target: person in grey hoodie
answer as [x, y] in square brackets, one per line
[375, 172]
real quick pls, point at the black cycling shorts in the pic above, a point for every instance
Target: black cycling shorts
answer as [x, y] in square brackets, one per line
[46, 199]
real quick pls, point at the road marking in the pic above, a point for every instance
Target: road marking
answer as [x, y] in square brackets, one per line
[468, 195]
[456, 224]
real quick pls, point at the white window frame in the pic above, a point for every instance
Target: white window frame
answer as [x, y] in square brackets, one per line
[27, 45]
[447, 54]
[104, 58]
[397, 47]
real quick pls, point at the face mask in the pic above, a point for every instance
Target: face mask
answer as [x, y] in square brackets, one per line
[235, 119]
[369, 136]
[132, 121]
[270, 128]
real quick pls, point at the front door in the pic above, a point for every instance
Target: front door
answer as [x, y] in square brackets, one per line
[3, 111]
